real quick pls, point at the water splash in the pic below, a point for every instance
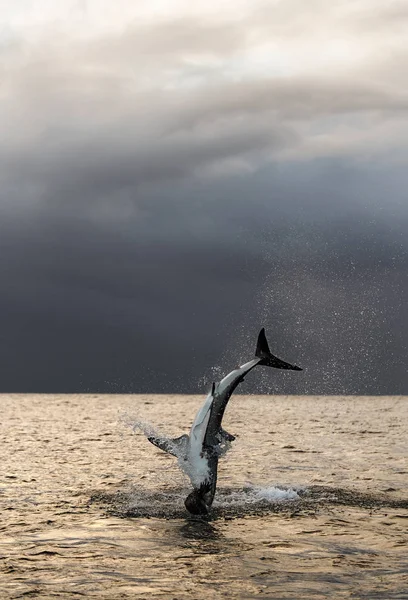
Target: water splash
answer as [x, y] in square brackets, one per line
[169, 503]
[253, 495]
[239, 502]
[145, 427]
[275, 494]
[197, 471]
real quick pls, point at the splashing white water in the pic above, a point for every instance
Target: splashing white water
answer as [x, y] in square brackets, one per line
[253, 495]
[196, 468]
[145, 427]
[275, 494]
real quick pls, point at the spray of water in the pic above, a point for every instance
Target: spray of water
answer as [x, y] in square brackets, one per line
[253, 495]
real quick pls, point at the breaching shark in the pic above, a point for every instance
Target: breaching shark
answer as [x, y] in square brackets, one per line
[199, 452]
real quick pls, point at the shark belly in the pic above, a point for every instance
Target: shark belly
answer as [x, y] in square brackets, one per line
[195, 463]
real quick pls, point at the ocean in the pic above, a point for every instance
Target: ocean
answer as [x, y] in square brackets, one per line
[312, 500]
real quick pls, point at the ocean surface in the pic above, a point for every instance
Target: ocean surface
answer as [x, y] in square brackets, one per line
[312, 500]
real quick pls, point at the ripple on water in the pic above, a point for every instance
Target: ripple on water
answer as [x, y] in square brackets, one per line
[345, 537]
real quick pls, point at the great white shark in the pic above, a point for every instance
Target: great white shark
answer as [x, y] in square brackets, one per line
[198, 453]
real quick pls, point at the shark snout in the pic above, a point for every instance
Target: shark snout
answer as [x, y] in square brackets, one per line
[195, 504]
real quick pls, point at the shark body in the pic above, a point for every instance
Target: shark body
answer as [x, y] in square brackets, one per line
[199, 452]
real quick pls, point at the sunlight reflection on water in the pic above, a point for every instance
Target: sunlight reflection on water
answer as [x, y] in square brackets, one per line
[311, 500]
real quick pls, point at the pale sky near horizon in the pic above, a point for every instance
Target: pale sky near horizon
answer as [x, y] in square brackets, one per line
[175, 175]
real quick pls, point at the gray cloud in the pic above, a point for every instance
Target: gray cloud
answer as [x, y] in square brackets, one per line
[162, 198]
[82, 115]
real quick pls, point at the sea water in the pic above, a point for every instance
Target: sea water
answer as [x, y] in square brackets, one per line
[311, 501]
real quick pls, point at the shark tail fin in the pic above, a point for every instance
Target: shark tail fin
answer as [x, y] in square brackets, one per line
[267, 358]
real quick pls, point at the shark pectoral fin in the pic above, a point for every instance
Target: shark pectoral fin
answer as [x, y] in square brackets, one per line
[163, 444]
[174, 447]
[180, 444]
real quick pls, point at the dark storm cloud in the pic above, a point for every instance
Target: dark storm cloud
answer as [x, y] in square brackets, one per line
[111, 161]
[160, 204]
[153, 303]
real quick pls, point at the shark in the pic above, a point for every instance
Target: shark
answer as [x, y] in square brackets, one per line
[198, 452]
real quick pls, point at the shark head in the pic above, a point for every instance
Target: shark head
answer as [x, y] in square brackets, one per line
[195, 503]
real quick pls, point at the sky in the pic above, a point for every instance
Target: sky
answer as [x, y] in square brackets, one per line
[176, 175]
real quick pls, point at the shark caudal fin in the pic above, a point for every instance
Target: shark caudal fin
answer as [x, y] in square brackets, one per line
[269, 360]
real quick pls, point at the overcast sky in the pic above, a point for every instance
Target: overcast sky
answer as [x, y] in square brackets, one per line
[175, 175]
